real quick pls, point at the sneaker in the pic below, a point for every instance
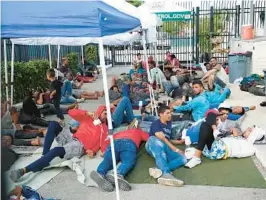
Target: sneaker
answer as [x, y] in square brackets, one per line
[193, 162]
[155, 172]
[170, 180]
[134, 124]
[102, 183]
[80, 100]
[122, 183]
[15, 175]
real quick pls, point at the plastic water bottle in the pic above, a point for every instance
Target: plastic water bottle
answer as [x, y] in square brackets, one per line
[187, 142]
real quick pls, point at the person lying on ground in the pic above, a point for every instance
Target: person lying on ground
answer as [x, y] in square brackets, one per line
[55, 94]
[8, 140]
[161, 148]
[233, 146]
[237, 111]
[196, 108]
[88, 139]
[126, 144]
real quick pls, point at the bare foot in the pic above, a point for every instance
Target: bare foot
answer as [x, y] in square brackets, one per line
[252, 108]
[36, 142]
[100, 94]
[76, 106]
[44, 131]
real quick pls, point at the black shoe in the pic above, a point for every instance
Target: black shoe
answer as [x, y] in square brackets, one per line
[102, 183]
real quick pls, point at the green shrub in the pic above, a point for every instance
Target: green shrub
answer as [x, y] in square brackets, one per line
[27, 76]
[91, 53]
[73, 61]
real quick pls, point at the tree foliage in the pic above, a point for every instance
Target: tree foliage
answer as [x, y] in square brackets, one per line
[136, 3]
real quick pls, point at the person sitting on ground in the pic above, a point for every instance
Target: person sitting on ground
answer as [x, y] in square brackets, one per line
[87, 139]
[42, 97]
[139, 61]
[66, 92]
[161, 148]
[64, 68]
[79, 94]
[196, 108]
[218, 96]
[136, 72]
[126, 144]
[217, 75]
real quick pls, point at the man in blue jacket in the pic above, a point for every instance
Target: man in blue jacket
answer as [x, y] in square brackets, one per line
[218, 96]
[197, 107]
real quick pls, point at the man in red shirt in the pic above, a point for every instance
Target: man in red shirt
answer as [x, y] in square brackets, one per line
[126, 144]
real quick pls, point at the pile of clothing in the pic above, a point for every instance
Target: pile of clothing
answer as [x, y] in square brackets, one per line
[253, 84]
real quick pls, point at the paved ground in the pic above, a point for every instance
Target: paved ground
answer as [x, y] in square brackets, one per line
[66, 187]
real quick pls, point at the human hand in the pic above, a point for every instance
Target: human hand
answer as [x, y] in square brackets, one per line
[93, 115]
[214, 127]
[112, 106]
[16, 192]
[90, 153]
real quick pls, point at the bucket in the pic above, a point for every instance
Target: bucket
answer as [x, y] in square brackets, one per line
[247, 32]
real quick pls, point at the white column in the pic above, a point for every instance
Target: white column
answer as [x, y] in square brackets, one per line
[109, 117]
[58, 60]
[12, 73]
[6, 70]
[50, 55]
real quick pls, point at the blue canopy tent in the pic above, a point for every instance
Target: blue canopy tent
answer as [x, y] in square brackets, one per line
[88, 18]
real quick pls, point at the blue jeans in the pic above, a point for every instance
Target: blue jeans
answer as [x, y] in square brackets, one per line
[66, 90]
[123, 112]
[166, 159]
[125, 151]
[68, 100]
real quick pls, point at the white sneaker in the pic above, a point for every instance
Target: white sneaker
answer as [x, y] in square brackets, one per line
[80, 100]
[170, 180]
[193, 162]
[155, 172]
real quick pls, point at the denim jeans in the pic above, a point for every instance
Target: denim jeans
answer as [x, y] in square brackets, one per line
[66, 90]
[123, 112]
[125, 151]
[166, 159]
[68, 100]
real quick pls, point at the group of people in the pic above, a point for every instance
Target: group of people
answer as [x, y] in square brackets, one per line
[204, 119]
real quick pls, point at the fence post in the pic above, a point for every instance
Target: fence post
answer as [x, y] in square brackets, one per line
[113, 55]
[242, 15]
[197, 33]
[251, 12]
[237, 20]
[211, 26]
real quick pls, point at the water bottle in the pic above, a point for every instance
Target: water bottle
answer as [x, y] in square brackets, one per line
[187, 142]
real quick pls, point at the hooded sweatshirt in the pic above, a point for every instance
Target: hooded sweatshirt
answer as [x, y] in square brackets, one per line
[136, 135]
[92, 137]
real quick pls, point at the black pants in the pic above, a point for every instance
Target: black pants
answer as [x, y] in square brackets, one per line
[205, 136]
[49, 109]
[19, 142]
[30, 119]
[59, 113]
[21, 134]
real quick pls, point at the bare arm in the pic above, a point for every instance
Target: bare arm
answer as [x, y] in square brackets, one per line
[177, 141]
[162, 137]
[40, 100]
[52, 93]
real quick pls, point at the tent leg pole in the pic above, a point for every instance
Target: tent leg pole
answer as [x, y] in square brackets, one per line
[82, 56]
[58, 60]
[109, 117]
[50, 55]
[6, 70]
[12, 73]
[148, 71]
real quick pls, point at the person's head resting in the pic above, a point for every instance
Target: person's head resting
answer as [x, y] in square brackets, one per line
[168, 53]
[102, 114]
[6, 140]
[197, 87]
[50, 74]
[114, 88]
[213, 61]
[69, 76]
[139, 56]
[238, 110]
[65, 61]
[224, 110]
[165, 113]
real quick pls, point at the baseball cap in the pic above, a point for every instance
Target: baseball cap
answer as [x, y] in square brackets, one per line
[225, 107]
